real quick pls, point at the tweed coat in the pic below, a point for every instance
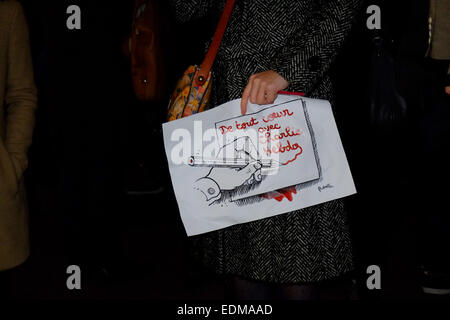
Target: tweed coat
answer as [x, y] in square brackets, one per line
[17, 105]
[299, 40]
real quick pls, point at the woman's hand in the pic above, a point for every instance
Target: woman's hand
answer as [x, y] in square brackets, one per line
[262, 88]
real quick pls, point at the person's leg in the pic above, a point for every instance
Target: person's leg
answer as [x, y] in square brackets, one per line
[5, 284]
[434, 229]
[298, 292]
[245, 289]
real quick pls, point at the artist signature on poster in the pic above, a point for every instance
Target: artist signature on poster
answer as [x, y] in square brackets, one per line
[328, 186]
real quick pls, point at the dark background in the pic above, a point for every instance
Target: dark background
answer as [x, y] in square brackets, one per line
[94, 142]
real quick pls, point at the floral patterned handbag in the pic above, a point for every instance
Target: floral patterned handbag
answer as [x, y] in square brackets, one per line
[194, 88]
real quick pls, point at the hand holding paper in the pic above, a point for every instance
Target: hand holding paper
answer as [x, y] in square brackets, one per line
[237, 161]
[262, 88]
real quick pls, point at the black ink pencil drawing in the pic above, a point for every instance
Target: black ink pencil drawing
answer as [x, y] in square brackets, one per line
[239, 168]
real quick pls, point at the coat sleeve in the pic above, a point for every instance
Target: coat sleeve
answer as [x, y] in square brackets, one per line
[309, 53]
[186, 10]
[20, 97]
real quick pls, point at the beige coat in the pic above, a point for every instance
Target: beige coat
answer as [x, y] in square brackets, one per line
[439, 30]
[17, 106]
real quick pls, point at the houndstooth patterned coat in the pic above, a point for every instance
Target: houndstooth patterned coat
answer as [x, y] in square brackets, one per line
[298, 39]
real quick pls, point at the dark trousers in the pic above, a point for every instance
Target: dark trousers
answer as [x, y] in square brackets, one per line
[5, 284]
[8, 279]
[431, 176]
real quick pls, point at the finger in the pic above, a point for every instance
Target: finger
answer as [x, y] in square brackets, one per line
[254, 92]
[271, 95]
[257, 165]
[261, 96]
[246, 173]
[251, 168]
[245, 97]
[258, 176]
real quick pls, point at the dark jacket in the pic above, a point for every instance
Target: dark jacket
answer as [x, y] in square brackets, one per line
[299, 40]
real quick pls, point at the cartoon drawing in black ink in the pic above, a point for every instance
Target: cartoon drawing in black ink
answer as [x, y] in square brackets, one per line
[244, 170]
[237, 174]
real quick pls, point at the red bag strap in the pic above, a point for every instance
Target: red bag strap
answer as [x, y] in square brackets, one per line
[207, 63]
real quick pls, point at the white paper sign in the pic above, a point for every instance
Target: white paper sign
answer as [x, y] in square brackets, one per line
[225, 167]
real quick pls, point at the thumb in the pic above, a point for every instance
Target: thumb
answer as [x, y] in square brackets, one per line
[245, 97]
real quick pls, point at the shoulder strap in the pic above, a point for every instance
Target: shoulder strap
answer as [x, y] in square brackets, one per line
[215, 44]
